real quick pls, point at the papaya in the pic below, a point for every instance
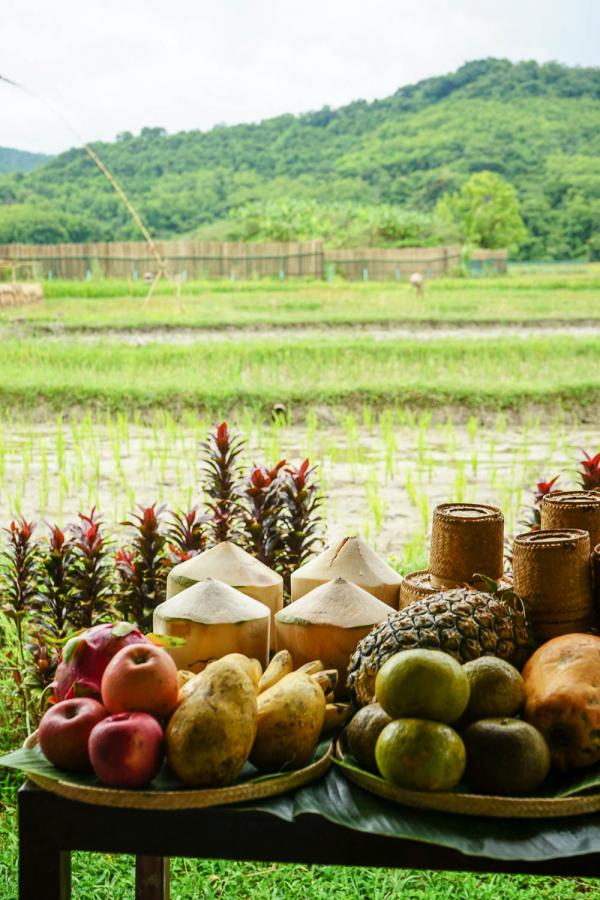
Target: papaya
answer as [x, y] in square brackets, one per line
[562, 698]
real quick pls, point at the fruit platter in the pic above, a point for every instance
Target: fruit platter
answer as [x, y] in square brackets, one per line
[129, 729]
[474, 694]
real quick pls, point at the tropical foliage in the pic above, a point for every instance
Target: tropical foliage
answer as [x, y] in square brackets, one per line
[365, 172]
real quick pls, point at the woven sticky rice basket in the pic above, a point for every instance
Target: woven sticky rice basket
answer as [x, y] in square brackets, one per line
[573, 509]
[417, 585]
[466, 539]
[553, 577]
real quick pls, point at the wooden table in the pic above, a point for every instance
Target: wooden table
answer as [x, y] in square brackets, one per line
[50, 827]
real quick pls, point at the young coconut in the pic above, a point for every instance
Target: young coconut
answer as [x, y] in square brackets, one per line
[327, 624]
[215, 619]
[353, 560]
[230, 564]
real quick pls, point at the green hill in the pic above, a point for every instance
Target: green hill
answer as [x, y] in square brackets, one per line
[538, 126]
[20, 160]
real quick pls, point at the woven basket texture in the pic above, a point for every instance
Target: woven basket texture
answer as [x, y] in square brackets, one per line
[465, 539]
[573, 509]
[553, 577]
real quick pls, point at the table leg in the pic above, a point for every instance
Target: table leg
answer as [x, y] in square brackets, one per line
[44, 870]
[152, 878]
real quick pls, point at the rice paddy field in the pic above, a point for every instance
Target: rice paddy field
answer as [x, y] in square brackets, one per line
[472, 393]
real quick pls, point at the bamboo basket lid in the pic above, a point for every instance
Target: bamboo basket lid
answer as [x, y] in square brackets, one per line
[465, 803]
[572, 509]
[186, 798]
[466, 538]
[417, 585]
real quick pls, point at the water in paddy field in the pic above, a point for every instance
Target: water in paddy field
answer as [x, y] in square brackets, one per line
[382, 474]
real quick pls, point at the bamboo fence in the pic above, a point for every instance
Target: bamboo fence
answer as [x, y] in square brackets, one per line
[193, 259]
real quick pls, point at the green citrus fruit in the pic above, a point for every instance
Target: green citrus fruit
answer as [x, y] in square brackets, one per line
[420, 755]
[362, 734]
[497, 688]
[505, 756]
[422, 684]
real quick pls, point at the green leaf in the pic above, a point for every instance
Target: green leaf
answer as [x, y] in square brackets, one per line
[33, 761]
[580, 783]
[344, 803]
[121, 629]
[165, 640]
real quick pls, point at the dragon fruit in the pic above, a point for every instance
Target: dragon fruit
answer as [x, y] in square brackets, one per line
[86, 655]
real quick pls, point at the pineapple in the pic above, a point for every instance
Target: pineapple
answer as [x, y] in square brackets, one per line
[462, 622]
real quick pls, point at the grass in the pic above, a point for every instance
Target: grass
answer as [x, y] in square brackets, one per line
[96, 877]
[109, 304]
[219, 377]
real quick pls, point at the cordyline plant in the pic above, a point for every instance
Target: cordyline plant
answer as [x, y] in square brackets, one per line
[186, 534]
[53, 616]
[262, 509]
[18, 591]
[75, 577]
[533, 514]
[222, 483]
[589, 472]
[300, 517]
[143, 568]
[91, 574]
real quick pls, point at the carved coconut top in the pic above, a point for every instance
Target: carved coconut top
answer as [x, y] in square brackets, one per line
[351, 559]
[228, 563]
[335, 603]
[212, 602]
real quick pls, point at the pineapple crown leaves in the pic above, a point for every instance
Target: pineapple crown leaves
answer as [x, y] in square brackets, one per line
[510, 597]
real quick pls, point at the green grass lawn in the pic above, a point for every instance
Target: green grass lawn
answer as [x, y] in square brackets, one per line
[502, 373]
[110, 304]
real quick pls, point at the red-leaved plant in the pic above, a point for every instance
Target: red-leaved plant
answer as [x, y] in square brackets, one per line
[222, 482]
[186, 534]
[91, 575]
[18, 588]
[589, 472]
[300, 518]
[262, 508]
[143, 567]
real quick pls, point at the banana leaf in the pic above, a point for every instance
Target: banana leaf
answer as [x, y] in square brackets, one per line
[344, 803]
[33, 761]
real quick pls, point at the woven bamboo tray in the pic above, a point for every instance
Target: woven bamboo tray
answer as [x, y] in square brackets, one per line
[186, 798]
[463, 803]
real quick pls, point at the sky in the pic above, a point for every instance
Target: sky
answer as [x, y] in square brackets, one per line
[110, 66]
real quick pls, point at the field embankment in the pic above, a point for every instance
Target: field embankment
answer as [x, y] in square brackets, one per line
[218, 377]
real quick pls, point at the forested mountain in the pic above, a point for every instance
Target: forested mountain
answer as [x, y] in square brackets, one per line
[20, 160]
[537, 126]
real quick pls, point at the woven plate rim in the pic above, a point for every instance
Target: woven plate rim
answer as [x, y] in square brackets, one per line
[470, 804]
[186, 798]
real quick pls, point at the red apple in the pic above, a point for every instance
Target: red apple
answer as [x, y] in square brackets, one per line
[140, 678]
[127, 750]
[65, 729]
[85, 657]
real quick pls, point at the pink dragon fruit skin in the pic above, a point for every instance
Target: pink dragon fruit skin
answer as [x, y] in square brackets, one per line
[85, 657]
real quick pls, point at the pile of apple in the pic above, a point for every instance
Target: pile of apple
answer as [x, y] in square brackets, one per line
[115, 690]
